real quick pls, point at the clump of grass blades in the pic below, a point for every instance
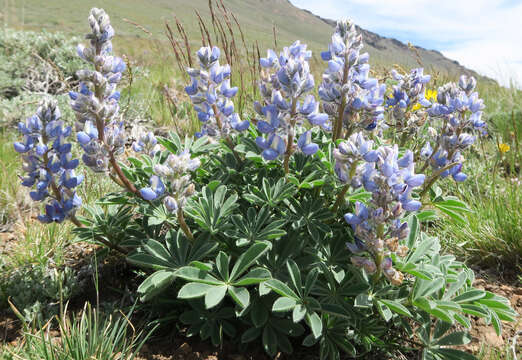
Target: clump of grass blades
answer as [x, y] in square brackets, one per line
[90, 335]
[493, 232]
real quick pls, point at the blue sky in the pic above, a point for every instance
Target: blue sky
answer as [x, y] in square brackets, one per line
[484, 35]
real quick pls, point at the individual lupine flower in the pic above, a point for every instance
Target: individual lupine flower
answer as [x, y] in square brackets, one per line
[285, 81]
[347, 90]
[96, 102]
[349, 154]
[48, 163]
[458, 109]
[378, 229]
[172, 181]
[145, 142]
[211, 93]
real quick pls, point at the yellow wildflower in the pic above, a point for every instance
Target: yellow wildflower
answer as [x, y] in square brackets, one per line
[431, 95]
[416, 107]
[503, 148]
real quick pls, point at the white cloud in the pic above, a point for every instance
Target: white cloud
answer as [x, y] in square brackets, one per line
[484, 35]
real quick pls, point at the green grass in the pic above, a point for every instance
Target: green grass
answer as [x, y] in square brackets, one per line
[10, 195]
[493, 233]
[86, 336]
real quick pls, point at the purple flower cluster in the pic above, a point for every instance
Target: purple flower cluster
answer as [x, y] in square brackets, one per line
[285, 80]
[145, 142]
[409, 91]
[96, 102]
[211, 94]
[459, 109]
[347, 90]
[377, 226]
[352, 153]
[48, 163]
[172, 181]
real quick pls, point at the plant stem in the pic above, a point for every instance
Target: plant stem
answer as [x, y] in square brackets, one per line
[290, 139]
[340, 197]
[380, 256]
[434, 177]
[184, 225]
[229, 142]
[126, 182]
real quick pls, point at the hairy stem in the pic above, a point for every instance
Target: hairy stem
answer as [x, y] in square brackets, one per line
[290, 139]
[434, 178]
[340, 197]
[126, 182]
[183, 225]
[228, 140]
[379, 257]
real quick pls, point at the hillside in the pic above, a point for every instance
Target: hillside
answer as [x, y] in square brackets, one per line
[257, 18]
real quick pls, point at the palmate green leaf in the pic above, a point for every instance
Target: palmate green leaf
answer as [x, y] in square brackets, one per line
[240, 295]
[384, 311]
[422, 249]
[455, 338]
[441, 327]
[193, 290]
[299, 313]
[295, 275]
[270, 194]
[413, 223]
[280, 288]
[454, 208]
[156, 249]
[397, 307]
[194, 274]
[222, 263]
[248, 258]
[470, 296]
[257, 225]
[416, 270]
[254, 276]
[462, 320]
[284, 304]
[453, 354]
[251, 334]
[425, 288]
[270, 341]
[214, 295]
[155, 284]
[149, 261]
[474, 310]
[497, 324]
[315, 323]
[211, 211]
[427, 215]
[336, 310]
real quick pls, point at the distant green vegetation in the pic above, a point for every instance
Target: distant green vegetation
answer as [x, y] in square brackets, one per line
[138, 22]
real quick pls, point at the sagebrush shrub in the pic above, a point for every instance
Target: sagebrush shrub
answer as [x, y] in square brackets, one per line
[261, 246]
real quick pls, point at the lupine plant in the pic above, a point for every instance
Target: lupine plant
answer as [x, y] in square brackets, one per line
[263, 250]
